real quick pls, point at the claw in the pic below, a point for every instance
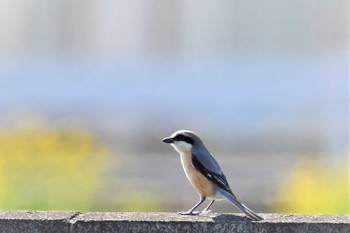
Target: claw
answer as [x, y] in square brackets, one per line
[189, 213]
[205, 212]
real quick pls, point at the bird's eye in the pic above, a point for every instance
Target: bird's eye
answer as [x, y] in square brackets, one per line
[181, 137]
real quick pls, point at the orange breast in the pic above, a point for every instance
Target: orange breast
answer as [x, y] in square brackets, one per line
[203, 186]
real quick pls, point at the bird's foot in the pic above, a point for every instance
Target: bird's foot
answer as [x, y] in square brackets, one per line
[204, 212]
[189, 213]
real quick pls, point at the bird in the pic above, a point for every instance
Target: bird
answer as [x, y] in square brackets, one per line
[204, 173]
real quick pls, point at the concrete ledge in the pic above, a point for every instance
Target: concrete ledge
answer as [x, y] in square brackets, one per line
[54, 221]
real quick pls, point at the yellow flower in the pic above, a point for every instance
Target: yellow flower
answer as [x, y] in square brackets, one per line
[49, 169]
[313, 187]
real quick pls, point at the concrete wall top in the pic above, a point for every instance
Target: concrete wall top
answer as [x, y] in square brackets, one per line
[57, 221]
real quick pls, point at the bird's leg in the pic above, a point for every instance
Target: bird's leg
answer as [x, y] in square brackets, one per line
[190, 212]
[206, 210]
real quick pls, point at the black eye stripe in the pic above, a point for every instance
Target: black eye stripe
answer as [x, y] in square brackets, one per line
[181, 137]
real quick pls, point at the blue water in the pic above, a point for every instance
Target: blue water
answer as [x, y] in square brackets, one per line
[227, 89]
[248, 94]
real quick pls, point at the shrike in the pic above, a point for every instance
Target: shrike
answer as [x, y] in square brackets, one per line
[204, 173]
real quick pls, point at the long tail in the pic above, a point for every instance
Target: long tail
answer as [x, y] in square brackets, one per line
[241, 206]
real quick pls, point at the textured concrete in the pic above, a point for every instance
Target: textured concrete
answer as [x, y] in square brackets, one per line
[40, 221]
[35, 221]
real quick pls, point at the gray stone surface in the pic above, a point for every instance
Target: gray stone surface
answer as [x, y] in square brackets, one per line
[35, 221]
[40, 221]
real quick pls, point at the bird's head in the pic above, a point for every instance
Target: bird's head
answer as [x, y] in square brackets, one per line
[183, 140]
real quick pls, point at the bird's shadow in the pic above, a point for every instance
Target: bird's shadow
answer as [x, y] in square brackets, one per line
[230, 218]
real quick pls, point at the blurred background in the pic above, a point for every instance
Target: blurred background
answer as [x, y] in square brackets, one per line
[88, 89]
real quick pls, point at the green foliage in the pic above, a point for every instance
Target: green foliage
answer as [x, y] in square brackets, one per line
[313, 187]
[49, 169]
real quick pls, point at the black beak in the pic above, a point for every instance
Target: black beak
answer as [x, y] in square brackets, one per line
[168, 140]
